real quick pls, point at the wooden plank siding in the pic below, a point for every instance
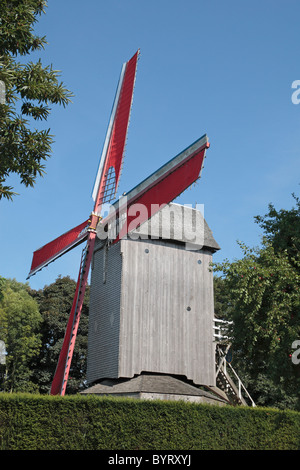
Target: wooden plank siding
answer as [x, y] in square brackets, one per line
[104, 314]
[152, 309]
[166, 320]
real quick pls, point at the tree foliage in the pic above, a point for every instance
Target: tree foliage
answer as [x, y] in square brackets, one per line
[32, 325]
[55, 303]
[30, 90]
[260, 293]
[282, 228]
[20, 322]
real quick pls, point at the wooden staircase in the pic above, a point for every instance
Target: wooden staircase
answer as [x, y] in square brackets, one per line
[227, 380]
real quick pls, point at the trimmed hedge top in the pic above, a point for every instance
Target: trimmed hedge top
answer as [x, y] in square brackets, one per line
[37, 422]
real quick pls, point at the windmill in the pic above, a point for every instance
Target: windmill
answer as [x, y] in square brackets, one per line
[153, 193]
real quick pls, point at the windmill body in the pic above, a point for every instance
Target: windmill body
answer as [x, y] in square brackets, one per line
[151, 301]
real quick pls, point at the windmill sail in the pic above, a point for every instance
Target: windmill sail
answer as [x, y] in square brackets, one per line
[109, 170]
[56, 248]
[104, 189]
[160, 188]
[60, 379]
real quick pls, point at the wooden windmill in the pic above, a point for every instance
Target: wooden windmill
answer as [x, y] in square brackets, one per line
[153, 194]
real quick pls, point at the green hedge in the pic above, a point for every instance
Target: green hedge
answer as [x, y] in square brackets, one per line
[30, 422]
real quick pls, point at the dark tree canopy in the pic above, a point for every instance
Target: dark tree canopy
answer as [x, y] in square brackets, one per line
[32, 326]
[282, 228]
[30, 90]
[55, 303]
[20, 323]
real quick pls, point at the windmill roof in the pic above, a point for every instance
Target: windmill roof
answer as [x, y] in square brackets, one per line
[180, 223]
[148, 383]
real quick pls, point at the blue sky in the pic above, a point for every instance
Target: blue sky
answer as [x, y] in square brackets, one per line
[220, 68]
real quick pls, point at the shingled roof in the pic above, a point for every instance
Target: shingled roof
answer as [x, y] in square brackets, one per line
[180, 223]
[158, 386]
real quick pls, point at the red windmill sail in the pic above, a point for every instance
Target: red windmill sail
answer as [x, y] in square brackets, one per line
[160, 188]
[53, 250]
[153, 193]
[104, 190]
[108, 175]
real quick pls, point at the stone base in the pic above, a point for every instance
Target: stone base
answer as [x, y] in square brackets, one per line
[155, 387]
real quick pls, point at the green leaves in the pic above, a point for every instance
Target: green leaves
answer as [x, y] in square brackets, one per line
[282, 228]
[35, 422]
[31, 89]
[35, 82]
[20, 321]
[32, 325]
[55, 302]
[262, 299]
[22, 151]
[16, 26]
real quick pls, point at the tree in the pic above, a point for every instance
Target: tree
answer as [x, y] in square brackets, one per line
[30, 89]
[261, 293]
[282, 228]
[55, 302]
[19, 329]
